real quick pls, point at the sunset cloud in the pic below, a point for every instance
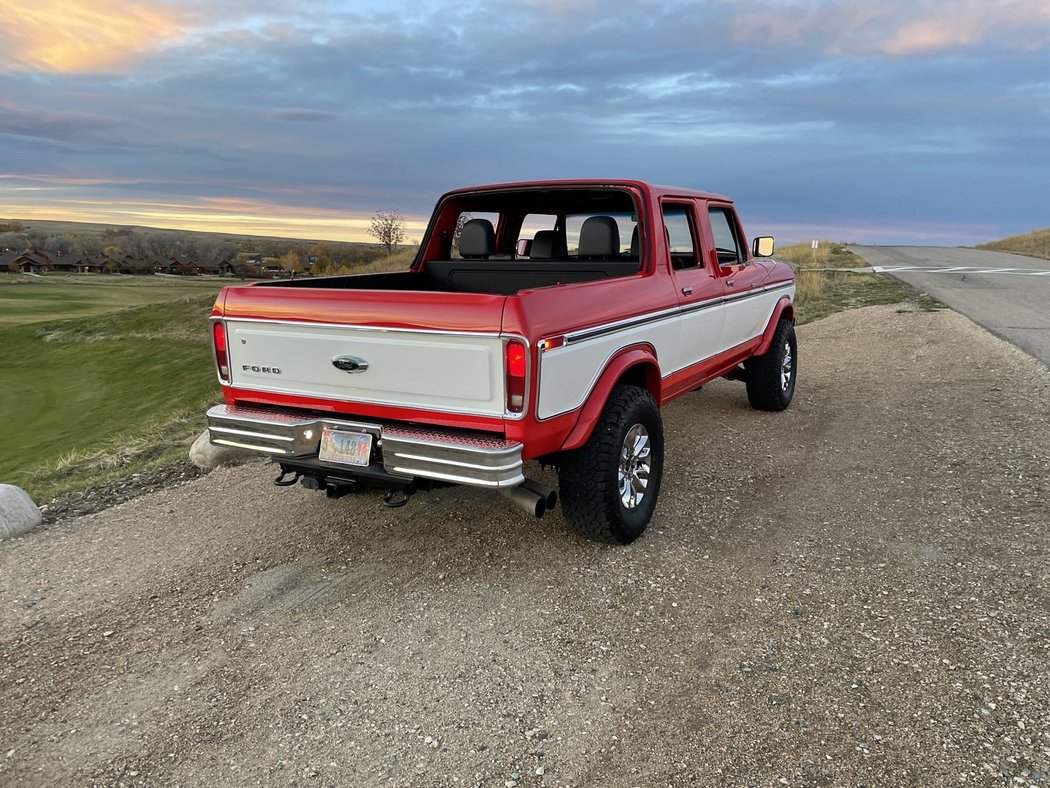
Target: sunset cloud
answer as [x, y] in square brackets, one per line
[897, 27]
[284, 117]
[78, 36]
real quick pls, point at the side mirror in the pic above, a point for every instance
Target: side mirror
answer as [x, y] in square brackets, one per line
[762, 246]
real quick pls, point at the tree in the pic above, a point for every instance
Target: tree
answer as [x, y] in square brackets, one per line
[462, 220]
[388, 227]
[292, 262]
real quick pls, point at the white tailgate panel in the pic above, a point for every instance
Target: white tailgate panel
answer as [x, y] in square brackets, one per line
[447, 372]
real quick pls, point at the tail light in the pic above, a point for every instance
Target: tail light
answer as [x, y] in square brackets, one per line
[222, 361]
[516, 367]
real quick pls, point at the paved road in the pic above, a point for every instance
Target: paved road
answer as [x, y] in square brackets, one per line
[1006, 293]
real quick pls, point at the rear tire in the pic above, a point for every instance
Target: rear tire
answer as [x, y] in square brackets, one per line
[771, 376]
[609, 486]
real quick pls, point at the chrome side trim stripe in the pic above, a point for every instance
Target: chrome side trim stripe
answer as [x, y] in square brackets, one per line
[654, 317]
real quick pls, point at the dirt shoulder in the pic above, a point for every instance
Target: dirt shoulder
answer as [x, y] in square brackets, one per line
[856, 591]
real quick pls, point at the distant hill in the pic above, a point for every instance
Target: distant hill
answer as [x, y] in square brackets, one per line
[1033, 244]
[117, 241]
[106, 231]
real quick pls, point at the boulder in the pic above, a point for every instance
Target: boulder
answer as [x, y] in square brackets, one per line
[18, 513]
[207, 456]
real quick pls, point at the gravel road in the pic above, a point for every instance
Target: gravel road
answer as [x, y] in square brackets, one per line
[854, 592]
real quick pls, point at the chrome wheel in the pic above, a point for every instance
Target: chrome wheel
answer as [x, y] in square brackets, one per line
[635, 465]
[787, 368]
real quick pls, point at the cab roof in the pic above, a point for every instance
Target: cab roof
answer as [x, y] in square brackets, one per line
[647, 188]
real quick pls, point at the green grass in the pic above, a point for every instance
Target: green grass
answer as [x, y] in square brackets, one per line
[30, 299]
[820, 293]
[1033, 244]
[97, 397]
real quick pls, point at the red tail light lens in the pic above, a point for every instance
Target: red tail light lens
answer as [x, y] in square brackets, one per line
[516, 366]
[222, 362]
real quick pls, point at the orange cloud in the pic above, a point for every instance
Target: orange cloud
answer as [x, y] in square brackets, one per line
[900, 27]
[73, 36]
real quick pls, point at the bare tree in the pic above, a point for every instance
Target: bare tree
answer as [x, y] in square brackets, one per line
[388, 227]
[462, 220]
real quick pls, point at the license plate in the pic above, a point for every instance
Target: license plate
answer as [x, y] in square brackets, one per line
[349, 448]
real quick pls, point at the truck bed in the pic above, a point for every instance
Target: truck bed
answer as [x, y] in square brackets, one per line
[495, 277]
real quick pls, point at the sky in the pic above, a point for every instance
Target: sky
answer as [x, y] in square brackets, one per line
[901, 121]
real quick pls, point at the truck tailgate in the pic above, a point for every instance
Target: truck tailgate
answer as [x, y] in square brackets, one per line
[393, 363]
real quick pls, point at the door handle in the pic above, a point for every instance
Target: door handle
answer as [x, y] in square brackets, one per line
[687, 291]
[730, 282]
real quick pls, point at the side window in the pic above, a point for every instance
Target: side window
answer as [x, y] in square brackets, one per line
[678, 225]
[727, 239]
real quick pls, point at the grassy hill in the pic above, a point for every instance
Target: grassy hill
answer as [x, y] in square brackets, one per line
[102, 377]
[1033, 244]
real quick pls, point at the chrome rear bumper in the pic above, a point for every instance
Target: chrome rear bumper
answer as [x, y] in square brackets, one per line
[474, 458]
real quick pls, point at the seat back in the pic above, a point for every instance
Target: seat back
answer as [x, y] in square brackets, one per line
[477, 240]
[599, 238]
[547, 245]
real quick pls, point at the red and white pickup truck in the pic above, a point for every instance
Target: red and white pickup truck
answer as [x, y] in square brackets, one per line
[544, 321]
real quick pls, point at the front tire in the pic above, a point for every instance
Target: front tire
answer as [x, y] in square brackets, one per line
[610, 484]
[771, 376]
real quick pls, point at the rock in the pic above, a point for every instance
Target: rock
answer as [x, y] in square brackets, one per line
[207, 456]
[18, 513]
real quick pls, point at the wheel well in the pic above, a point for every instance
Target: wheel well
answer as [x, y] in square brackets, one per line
[788, 313]
[643, 376]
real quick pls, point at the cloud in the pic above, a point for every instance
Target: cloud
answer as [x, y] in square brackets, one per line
[900, 28]
[52, 125]
[302, 115]
[75, 36]
[844, 113]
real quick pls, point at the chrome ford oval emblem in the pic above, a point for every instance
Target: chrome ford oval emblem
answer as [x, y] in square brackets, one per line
[350, 363]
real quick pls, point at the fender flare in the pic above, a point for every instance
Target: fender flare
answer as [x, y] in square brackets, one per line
[643, 356]
[784, 309]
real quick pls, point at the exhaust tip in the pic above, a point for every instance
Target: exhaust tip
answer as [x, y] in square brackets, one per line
[526, 499]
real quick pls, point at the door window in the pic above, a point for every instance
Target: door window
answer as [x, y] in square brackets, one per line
[727, 237]
[681, 242]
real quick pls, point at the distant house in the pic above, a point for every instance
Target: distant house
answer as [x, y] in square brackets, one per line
[92, 264]
[64, 264]
[134, 265]
[30, 262]
[174, 265]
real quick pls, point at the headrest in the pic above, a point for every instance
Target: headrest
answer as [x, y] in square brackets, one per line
[600, 237]
[634, 242]
[477, 240]
[547, 245]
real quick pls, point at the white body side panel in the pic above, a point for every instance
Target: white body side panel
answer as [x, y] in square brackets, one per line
[681, 339]
[701, 338]
[746, 318]
[434, 371]
[568, 373]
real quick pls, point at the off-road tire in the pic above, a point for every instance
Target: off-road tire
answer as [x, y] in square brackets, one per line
[588, 478]
[766, 389]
